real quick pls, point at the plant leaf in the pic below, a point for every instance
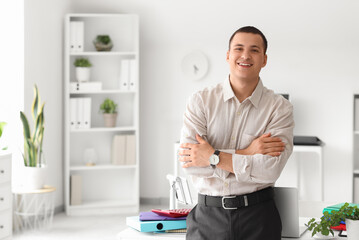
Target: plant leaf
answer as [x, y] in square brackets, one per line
[2, 125]
[35, 103]
[25, 124]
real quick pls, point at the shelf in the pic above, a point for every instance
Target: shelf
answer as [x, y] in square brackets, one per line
[356, 171]
[115, 91]
[103, 53]
[116, 129]
[356, 132]
[104, 203]
[101, 167]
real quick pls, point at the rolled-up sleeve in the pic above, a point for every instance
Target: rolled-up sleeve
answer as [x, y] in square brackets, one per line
[265, 169]
[195, 122]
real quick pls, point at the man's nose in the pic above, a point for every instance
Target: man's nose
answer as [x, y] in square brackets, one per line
[246, 55]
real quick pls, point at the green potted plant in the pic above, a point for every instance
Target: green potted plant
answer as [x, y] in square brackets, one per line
[2, 125]
[347, 213]
[103, 43]
[33, 155]
[108, 108]
[83, 69]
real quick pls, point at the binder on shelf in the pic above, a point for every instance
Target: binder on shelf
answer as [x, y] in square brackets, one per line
[118, 155]
[80, 36]
[73, 113]
[72, 36]
[76, 36]
[130, 149]
[336, 207]
[75, 190]
[132, 85]
[124, 74]
[80, 113]
[154, 226]
[85, 86]
[87, 113]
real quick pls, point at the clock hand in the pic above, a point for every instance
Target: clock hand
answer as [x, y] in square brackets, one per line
[195, 69]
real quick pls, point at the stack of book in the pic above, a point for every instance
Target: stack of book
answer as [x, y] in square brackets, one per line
[152, 222]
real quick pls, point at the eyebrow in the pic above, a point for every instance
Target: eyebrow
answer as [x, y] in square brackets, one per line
[241, 45]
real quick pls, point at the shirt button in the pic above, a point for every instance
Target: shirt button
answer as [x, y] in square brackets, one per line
[233, 138]
[226, 184]
[238, 113]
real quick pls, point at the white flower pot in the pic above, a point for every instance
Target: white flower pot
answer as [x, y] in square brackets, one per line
[34, 177]
[83, 74]
[352, 229]
[321, 236]
[110, 119]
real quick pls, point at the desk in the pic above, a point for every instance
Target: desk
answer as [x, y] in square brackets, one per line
[131, 234]
[33, 209]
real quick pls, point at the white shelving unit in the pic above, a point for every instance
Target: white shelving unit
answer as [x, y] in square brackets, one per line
[106, 188]
[356, 149]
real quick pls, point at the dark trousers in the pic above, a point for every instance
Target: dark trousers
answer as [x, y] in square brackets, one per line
[257, 222]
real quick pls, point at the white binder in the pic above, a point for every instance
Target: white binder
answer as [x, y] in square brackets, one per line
[79, 36]
[80, 113]
[87, 113]
[73, 114]
[72, 36]
[133, 75]
[124, 74]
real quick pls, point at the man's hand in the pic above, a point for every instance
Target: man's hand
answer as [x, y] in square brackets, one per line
[196, 155]
[265, 145]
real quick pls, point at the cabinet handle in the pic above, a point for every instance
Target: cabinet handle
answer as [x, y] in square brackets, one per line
[1, 226]
[2, 171]
[2, 199]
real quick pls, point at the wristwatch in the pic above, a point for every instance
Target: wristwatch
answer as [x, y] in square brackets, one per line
[214, 158]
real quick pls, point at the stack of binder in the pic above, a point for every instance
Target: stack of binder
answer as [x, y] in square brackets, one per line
[336, 207]
[151, 222]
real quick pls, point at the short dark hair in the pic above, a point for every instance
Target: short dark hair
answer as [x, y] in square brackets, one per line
[250, 29]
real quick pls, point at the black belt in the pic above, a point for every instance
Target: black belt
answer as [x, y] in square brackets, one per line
[234, 202]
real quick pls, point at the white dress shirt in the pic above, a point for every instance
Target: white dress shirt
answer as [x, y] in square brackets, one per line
[217, 115]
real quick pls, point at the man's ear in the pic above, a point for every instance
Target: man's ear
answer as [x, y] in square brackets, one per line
[264, 61]
[227, 58]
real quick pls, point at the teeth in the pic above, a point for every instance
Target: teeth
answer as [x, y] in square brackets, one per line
[245, 64]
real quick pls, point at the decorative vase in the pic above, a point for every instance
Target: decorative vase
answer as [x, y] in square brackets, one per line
[34, 177]
[352, 229]
[83, 74]
[110, 119]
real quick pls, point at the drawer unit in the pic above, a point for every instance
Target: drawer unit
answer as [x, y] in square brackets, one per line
[5, 168]
[5, 196]
[5, 223]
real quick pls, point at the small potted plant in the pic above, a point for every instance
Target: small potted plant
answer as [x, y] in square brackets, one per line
[34, 163]
[347, 213]
[103, 43]
[83, 69]
[108, 108]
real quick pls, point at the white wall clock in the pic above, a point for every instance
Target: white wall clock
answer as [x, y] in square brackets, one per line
[195, 65]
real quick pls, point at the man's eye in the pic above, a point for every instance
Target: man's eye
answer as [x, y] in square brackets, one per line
[239, 49]
[255, 50]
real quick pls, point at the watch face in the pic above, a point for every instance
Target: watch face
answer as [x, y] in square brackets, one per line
[214, 159]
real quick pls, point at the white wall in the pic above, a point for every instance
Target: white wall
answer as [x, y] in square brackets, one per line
[44, 67]
[313, 48]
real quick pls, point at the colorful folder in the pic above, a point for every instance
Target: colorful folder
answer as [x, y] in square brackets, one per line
[154, 226]
[151, 216]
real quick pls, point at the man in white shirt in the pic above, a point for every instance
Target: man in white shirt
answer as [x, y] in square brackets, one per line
[236, 139]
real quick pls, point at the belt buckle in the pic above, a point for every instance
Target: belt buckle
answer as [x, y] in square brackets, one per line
[223, 205]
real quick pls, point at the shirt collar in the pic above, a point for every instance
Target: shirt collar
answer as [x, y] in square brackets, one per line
[254, 98]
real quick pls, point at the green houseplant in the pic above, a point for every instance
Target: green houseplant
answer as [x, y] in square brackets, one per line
[33, 141]
[346, 213]
[103, 43]
[34, 162]
[2, 125]
[109, 110]
[83, 69]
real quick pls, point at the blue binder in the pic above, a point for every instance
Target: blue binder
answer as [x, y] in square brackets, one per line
[154, 226]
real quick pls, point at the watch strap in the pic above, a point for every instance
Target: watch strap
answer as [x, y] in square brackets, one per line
[216, 152]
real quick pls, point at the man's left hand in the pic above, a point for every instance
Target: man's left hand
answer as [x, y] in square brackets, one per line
[196, 155]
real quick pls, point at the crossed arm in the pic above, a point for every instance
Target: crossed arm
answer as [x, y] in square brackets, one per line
[197, 155]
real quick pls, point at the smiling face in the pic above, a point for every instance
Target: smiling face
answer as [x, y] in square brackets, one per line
[246, 57]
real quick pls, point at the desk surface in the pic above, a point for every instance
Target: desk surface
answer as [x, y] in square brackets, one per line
[131, 234]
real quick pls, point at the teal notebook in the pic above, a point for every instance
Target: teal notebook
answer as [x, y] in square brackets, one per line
[155, 226]
[336, 207]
